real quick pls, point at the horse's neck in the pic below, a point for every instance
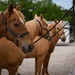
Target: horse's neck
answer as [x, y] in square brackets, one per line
[1, 26]
[53, 43]
[33, 28]
[55, 39]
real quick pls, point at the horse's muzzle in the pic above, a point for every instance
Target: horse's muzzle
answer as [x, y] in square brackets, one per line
[28, 49]
[63, 39]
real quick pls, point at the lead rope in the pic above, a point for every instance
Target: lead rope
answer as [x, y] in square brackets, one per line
[63, 27]
[54, 25]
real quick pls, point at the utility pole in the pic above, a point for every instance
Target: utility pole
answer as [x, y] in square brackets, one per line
[74, 7]
[74, 17]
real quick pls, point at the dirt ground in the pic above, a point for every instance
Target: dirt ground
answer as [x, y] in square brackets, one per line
[61, 62]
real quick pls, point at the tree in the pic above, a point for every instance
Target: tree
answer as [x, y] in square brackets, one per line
[49, 10]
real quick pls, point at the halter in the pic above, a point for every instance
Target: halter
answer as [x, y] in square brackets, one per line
[42, 27]
[18, 37]
[58, 32]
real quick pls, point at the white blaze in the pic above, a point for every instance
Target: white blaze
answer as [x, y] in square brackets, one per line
[21, 20]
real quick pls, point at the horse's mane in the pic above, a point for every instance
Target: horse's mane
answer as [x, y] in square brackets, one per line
[0, 18]
[19, 14]
[51, 25]
[0, 12]
[16, 13]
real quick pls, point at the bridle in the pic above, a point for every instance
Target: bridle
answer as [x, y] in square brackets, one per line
[42, 27]
[57, 32]
[18, 37]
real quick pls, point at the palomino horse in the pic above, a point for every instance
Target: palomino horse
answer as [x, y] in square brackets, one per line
[37, 26]
[53, 42]
[12, 26]
[11, 56]
[39, 52]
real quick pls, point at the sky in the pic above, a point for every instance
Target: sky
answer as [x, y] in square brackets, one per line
[67, 4]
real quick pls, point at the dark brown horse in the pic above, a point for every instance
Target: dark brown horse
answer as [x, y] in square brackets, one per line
[12, 26]
[11, 56]
[52, 43]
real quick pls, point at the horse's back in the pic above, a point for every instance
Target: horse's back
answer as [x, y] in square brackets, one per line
[0, 17]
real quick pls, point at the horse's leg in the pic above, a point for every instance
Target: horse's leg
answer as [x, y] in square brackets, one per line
[18, 73]
[45, 64]
[39, 64]
[35, 66]
[0, 71]
[13, 70]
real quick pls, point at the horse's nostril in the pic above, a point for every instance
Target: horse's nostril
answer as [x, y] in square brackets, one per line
[64, 39]
[24, 50]
[31, 46]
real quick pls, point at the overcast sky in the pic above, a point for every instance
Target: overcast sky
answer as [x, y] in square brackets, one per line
[67, 4]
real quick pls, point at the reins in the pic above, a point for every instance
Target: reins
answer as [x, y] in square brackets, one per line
[55, 25]
[18, 37]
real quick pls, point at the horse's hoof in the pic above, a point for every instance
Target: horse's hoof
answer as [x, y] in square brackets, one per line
[47, 74]
[18, 74]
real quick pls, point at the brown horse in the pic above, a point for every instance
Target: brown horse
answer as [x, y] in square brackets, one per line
[52, 43]
[12, 26]
[11, 56]
[37, 26]
[39, 52]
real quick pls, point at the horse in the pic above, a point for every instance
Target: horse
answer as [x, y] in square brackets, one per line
[60, 35]
[11, 56]
[39, 52]
[37, 26]
[12, 26]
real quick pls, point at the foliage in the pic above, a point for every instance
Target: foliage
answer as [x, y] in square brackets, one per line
[49, 10]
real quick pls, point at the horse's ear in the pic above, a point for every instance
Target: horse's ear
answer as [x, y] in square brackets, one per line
[35, 15]
[56, 21]
[41, 16]
[62, 21]
[10, 9]
[18, 7]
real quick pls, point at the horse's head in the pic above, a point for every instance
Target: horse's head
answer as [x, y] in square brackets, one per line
[43, 24]
[15, 30]
[60, 29]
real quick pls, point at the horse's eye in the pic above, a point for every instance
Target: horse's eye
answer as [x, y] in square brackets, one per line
[46, 24]
[58, 28]
[16, 25]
